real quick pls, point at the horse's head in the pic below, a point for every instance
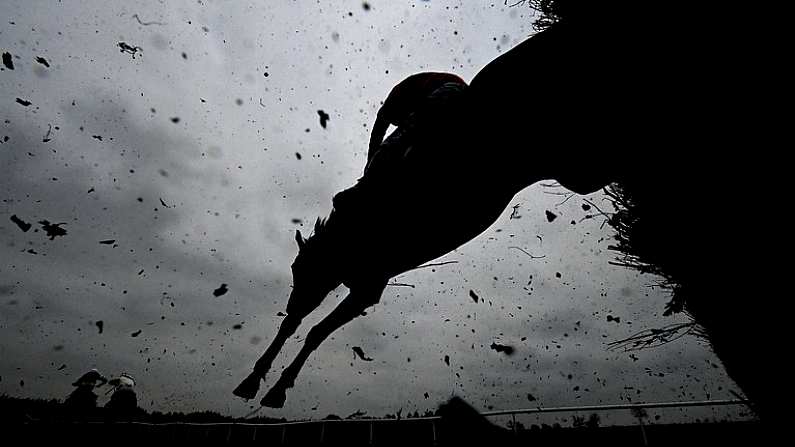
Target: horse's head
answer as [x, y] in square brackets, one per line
[315, 272]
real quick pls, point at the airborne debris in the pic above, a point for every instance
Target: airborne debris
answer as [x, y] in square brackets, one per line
[515, 213]
[281, 314]
[47, 138]
[100, 325]
[358, 352]
[220, 291]
[163, 203]
[356, 414]
[508, 350]
[24, 226]
[53, 230]
[551, 216]
[612, 318]
[298, 155]
[324, 118]
[135, 16]
[447, 360]
[136, 333]
[530, 397]
[127, 48]
[42, 61]
[474, 296]
[108, 241]
[528, 253]
[7, 61]
[24, 102]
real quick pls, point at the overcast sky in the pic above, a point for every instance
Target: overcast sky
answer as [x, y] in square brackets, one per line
[199, 152]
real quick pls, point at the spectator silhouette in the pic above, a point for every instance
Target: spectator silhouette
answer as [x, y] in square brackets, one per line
[123, 401]
[83, 399]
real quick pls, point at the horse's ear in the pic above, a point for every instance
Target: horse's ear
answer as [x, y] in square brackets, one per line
[299, 239]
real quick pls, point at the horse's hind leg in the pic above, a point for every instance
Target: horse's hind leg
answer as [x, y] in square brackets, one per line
[351, 307]
[249, 387]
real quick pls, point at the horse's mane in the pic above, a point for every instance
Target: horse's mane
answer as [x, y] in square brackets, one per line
[320, 226]
[320, 230]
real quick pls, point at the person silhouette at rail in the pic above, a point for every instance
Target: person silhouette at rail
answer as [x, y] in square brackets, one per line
[123, 402]
[83, 399]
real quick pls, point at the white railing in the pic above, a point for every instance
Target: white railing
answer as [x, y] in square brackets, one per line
[432, 419]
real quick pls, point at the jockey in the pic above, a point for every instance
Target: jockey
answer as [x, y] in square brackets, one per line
[417, 94]
[410, 106]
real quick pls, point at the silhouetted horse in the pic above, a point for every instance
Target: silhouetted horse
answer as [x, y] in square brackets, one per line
[389, 224]
[615, 97]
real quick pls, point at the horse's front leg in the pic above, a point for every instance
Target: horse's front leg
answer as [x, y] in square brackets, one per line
[351, 307]
[249, 387]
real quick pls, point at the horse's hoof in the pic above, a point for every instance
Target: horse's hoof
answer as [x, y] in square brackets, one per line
[248, 388]
[274, 398]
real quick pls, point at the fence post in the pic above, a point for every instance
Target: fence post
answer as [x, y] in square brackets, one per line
[643, 432]
[371, 432]
[254, 436]
[433, 427]
[322, 431]
[284, 434]
[513, 425]
[229, 434]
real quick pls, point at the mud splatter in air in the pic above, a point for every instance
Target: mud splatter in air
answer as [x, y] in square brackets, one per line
[360, 353]
[24, 226]
[220, 290]
[324, 118]
[53, 230]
